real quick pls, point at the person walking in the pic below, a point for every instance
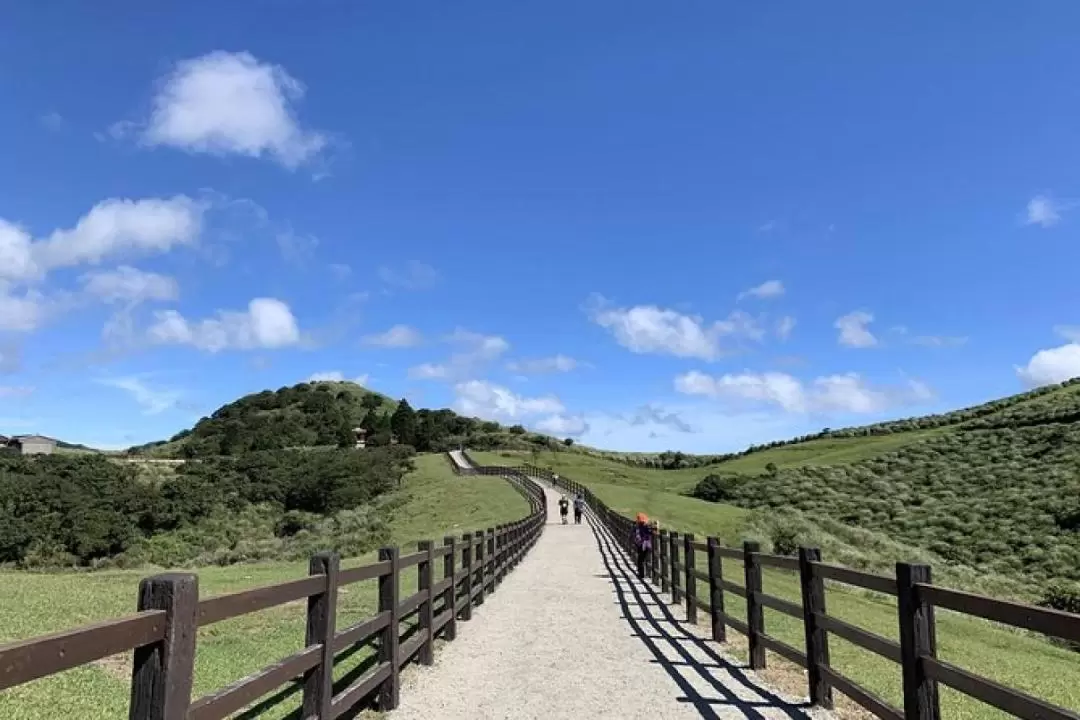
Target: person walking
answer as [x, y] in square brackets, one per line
[579, 508]
[643, 543]
[564, 508]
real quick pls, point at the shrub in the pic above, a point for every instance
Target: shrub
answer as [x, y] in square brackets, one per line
[717, 488]
[785, 540]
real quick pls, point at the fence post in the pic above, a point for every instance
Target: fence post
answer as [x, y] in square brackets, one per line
[716, 592]
[424, 573]
[390, 690]
[491, 557]
[673, 539]
[691, 579]
[817, 639]
[918, 639]
[479, 560]
[755, 613]
[162, 674]
[450, 594]
[654, 560]
[467, 565]
[500, 545]
[663, 561]
[321, 616]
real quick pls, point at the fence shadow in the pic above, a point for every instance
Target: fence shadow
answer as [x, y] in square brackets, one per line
[651, 620]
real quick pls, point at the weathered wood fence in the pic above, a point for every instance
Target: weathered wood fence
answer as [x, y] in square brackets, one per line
[682, 562]
[162, 634]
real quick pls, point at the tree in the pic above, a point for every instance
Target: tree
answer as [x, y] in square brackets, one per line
[371, 402]
[568, 442]
[403, 423]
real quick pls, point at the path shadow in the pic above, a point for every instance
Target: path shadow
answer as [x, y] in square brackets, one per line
[652, 621]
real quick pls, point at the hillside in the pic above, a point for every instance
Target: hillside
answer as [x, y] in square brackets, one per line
[993, 490]
[324, 414]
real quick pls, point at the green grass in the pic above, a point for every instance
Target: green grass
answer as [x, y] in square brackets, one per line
[1015, 659]
[826, 451]
[439, 503]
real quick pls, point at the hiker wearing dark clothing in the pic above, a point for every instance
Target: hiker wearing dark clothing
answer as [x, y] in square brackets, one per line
[564, 507]
[643, 543]
[579, 508]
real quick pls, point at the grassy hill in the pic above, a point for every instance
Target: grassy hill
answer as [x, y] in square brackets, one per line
[323, 414]
[992, 492]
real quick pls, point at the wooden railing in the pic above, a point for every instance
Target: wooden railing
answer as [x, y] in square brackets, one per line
[163, 632]
[676, 569]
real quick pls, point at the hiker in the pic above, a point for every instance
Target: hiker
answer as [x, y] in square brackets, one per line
[643, 543]
[564, 507]
[579, 508]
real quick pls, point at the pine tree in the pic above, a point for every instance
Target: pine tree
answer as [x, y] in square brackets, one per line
[403, 423]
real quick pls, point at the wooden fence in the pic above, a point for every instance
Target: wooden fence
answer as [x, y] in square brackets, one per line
[676, 569]
[162, 634]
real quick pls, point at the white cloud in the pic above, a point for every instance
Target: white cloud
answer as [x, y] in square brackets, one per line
[853, 330]
[487, 347]
[429, 371]
[1053, 365]
[764, 291]
[537, 366]
[399, 336]
[152, 400]
[651, 329]
[563, 425]
[337, 376]
[130, 285]
[120, 226]
[13, 391]
[1044, 211]
[231, 103]
[21, 312]
[846, 393]
[415, 276]
[771, 387]
[784, 326]
[474, 350]
[477, 398]
[112, 227]
[267, 323]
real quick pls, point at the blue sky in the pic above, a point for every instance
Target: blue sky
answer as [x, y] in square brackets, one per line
[648, 226]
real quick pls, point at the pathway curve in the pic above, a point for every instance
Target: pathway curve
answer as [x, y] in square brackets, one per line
[572, 633]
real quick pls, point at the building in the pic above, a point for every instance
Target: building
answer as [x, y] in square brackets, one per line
[361, 438]
[32, 444]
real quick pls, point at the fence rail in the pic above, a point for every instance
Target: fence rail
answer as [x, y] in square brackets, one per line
[162, 635]
[675, 569]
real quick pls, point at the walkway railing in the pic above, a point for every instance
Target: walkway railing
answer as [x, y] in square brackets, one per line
[163, 633]
[677, 568]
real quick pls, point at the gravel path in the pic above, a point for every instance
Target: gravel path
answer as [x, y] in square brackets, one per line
[459, 458]
[571, 633]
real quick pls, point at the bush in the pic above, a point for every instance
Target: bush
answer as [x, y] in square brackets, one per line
[1065, 597]
[717, 488]
[785, 540]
